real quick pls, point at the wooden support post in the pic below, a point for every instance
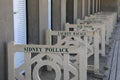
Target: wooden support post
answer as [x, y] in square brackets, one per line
[99, 5]
[63, 13]
[103, 40]
[89, 3]
[83, 63]
[75, 10]
[86, 8]
[96, 6]
[93, 7]
[28, 63]
[96, 52]
[79, 10]
[58, 14]
[83, 9]
[48, 42]
[66, 68]
[11, 64]
[48, 37]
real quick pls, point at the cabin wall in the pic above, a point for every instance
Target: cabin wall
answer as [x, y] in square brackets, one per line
[6, 34]
[56, 14]
[109, 5]
[33, 21]
[118, 9]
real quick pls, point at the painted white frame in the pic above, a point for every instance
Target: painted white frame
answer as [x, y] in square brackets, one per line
[95, 35]
[14, 73]
[95, 67]
[96, 25]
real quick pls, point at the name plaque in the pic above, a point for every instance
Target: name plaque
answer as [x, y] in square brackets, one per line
[46, 50]
[84, 26]
[71, 33]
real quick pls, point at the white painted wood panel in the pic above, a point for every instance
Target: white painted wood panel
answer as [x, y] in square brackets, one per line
[20, 27]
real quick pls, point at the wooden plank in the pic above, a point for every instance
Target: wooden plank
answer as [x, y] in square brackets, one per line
[118, 65]
[109, 62]
[116, 38]
[114, 63]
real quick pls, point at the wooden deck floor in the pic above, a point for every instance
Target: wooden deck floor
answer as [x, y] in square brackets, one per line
[113, 56]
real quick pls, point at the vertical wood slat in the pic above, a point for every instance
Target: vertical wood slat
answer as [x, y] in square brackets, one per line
[99, 5]
[66, 68]
[48, 37]
[63, 13]
[83, 63]
[48, 42]
[28, 66]
[96, 52]
[93, 6]
[11, 65]
[58, 14]
[83, 9]
[75, 10]
[43, 20]
[103, 40]
[33, 21]
[96, 6]
[89, 4]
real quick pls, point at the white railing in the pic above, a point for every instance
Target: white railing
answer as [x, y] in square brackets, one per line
[80, 26]
[66, 51]
[25, 71]
[75, 38]
[105, 21]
